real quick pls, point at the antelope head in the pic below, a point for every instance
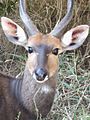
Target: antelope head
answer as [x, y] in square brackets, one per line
[43, 50]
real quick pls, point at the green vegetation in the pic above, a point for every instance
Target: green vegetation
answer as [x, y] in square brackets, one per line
[7, 6]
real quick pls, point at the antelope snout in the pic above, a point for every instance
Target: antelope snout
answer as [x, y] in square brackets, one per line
[41, 75]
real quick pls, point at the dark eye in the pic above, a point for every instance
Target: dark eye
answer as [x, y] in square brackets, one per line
[30, 50]
[55, 51]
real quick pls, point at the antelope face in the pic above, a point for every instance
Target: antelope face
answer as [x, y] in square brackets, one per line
[42, 49]
[43, 53]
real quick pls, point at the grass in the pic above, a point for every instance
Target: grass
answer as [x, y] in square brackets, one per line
[72, 100]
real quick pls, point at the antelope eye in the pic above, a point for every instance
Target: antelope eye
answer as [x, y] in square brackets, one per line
[30, 50]
[55, 51]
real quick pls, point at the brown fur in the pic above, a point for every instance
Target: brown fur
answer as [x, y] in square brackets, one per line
[50, 41]
[31, 96]
[9, 105]
[44, 39]
[27, 96]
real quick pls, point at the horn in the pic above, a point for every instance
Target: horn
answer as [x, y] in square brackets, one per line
[30, 27]
[59, 27]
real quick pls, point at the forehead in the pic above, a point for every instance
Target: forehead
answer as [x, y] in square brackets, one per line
[46, 40]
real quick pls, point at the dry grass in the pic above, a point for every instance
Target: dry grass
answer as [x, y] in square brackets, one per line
[72, 100]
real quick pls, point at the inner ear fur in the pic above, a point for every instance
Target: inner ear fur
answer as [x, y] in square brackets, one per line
[75, 37]
[13, 31]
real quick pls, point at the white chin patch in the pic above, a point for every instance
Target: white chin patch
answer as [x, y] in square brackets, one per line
[46, 78]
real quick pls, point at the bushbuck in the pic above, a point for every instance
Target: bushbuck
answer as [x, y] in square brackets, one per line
[32, 96]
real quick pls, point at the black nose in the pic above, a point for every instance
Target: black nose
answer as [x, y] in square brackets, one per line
[40, 74]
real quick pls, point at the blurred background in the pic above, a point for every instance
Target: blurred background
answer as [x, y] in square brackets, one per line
[72, 100]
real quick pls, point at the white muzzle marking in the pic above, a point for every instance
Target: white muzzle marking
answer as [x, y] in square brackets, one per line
[46, 78]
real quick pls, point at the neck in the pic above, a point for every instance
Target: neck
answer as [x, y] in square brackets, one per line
[35, 95]
[16, 85]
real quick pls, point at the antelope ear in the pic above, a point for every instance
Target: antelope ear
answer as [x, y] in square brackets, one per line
[75, 37]
[13, 32]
